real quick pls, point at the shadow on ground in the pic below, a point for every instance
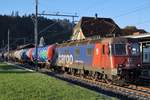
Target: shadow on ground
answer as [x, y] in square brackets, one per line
[18, 72]
[4, 68]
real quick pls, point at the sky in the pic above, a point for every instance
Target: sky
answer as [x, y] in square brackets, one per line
[123, 12]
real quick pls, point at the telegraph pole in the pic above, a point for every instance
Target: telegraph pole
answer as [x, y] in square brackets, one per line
[8, 45]
[36, 34]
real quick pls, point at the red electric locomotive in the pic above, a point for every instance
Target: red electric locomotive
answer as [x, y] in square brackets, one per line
[107, 58]
[117, 58]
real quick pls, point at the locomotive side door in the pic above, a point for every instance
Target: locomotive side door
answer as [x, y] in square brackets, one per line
[106, 56]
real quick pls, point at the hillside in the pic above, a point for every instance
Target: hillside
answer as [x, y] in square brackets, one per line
[55, 31]
[22, 30]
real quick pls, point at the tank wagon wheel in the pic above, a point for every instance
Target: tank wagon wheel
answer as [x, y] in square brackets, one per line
[46, 66]
[53, 68]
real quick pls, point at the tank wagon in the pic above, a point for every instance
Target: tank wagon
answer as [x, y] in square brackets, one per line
[45, 55]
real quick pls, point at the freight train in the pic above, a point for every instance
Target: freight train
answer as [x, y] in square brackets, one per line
[112, 59]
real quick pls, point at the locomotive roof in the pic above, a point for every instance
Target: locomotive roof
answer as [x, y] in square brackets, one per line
[101, 40]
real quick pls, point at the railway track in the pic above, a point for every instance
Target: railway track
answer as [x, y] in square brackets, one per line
[141, 93]
[126, 92]
[139, 88]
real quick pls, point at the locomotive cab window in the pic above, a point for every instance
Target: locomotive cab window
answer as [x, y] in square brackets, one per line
[118, 49]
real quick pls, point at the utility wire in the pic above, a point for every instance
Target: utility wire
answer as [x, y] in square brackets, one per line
[144, 22]
[46, 28]
[133, 11]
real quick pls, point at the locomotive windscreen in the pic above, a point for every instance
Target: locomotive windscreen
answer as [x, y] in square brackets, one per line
[118, 49]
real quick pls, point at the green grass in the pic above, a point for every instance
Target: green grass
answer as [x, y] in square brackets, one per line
[23, 85]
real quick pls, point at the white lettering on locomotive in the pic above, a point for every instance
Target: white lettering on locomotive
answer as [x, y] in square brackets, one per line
[65, 59]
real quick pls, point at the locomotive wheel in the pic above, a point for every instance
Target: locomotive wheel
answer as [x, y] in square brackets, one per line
[95, 76]
[81, 73]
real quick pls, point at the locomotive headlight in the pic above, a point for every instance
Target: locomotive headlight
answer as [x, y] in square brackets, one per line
[120, 65]
[139, 65]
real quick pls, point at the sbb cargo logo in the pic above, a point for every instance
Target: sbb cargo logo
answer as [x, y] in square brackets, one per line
[65, 59]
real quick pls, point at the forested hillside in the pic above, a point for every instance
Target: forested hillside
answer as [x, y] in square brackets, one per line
[22, 30]
[52, 30]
